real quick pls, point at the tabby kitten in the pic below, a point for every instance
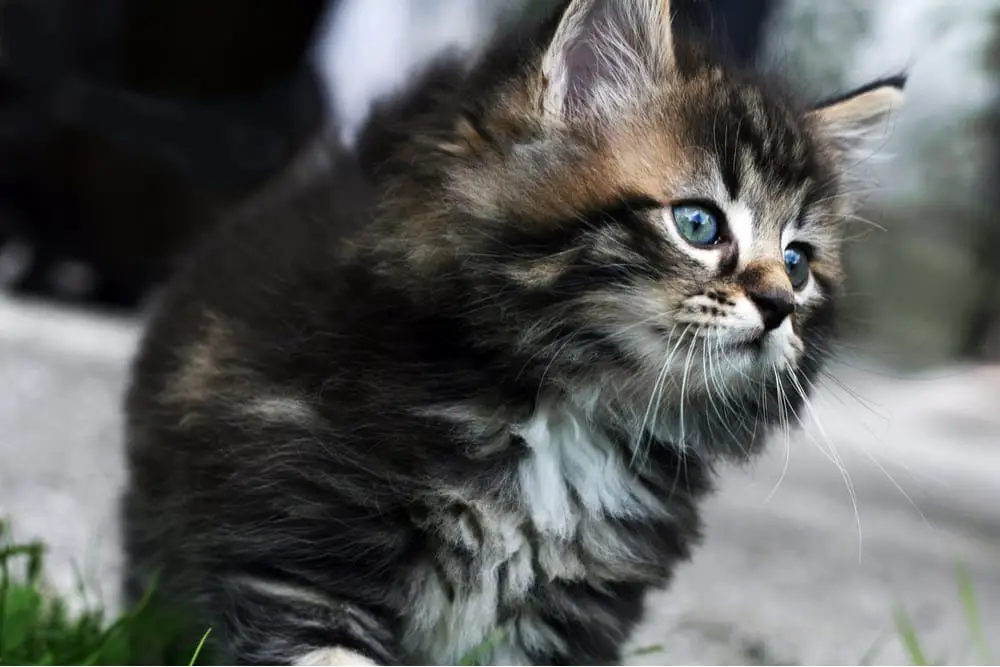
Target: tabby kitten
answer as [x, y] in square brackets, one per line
[468, 392]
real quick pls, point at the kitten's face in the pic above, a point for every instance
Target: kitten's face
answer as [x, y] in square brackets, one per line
[743, 265]
[645, 214]
[702, 233]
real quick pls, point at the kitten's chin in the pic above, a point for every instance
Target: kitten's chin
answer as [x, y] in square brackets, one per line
[778, 350]
[728, 361]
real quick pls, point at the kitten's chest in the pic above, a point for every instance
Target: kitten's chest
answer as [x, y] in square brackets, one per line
[575, 513]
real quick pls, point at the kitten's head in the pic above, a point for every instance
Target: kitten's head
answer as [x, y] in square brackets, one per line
[616, 203]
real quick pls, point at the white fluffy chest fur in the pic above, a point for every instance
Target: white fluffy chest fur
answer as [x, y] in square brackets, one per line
[574, 471]
[572, 481]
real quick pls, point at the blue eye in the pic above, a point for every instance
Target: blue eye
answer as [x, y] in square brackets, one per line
[697, 224]
[797, 266]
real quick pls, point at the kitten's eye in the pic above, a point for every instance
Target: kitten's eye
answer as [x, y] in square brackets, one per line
[698, 224]
[797, 265]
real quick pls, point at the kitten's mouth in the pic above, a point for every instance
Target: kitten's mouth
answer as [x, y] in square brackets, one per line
[753, 343]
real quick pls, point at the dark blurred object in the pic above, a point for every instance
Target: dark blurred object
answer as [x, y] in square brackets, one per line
[127, 127]
[737, 27]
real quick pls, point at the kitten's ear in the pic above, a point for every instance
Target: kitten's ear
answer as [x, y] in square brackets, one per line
[859, 117]
[602, 54]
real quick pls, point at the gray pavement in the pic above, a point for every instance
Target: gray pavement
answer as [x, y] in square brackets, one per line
[790, 572]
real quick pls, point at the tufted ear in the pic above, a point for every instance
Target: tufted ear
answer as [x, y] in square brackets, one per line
[858, 117]
[602, 54]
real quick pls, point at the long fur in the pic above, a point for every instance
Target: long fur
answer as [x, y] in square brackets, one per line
[466, 390]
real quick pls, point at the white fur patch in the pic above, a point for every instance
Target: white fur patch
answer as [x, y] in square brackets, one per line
[332, 657]
[573, 476]
[569, 456]
[281, 409]
[783, 347]
[740, 221]
[444, 629]
[446, 623]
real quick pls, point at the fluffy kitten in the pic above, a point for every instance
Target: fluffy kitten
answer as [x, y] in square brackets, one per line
[468, 392]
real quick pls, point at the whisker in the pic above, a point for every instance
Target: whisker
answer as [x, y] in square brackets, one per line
[783, 422]
[682, 444]
[684, 377]
[869, 405]
[656, 394]
[710, 380]
[878, 463]
[832, 454]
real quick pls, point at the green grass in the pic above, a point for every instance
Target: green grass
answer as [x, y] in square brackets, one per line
[973, 621]
[37, 627]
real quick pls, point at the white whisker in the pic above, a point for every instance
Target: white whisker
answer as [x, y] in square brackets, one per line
[831, 454]
[655, 395]
[783, 421]
[878, 464]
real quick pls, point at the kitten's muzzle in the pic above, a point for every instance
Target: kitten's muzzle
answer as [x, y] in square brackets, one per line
[768, 287]
[774, 305]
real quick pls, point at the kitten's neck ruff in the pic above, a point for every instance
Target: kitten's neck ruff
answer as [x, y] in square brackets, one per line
[575, 465]
[637, 417]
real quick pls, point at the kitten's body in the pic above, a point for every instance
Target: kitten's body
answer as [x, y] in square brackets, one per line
[435, 401]
[449, 523]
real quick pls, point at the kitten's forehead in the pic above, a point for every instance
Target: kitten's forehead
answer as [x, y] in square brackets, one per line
[755, 137]
[721, 138]
[750, 153]
[708, 137]
[753, 145]
[759, 212]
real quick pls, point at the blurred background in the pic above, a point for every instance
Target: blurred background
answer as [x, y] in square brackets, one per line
[128, 128]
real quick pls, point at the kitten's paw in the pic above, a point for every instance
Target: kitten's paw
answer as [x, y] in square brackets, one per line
[330, 657]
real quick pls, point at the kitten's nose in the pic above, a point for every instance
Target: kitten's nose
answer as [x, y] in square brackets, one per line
[774, 304]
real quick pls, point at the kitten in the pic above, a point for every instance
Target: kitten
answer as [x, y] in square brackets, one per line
[467, 393]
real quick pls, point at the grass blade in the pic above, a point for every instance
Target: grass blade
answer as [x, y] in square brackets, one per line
[4, 590]
[869, 656]
[908, 635]
[115, 630]
[972, 616]
[646, 651]
[197, 651]
[473, 656]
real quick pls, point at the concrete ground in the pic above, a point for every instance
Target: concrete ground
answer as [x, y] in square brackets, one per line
[790, 573]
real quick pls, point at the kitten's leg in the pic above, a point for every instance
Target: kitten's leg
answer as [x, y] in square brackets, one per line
[274, 623]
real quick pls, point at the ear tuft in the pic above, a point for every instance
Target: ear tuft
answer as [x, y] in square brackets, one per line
[603, 54]
[858, 117]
